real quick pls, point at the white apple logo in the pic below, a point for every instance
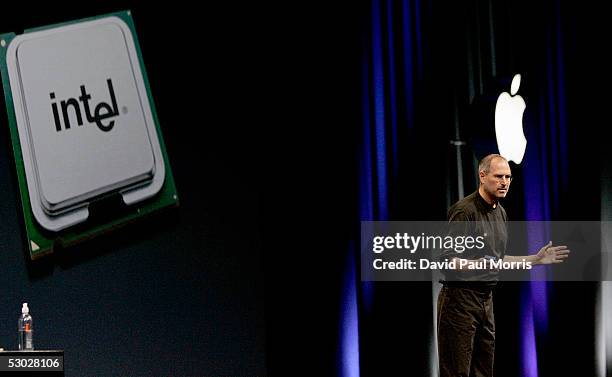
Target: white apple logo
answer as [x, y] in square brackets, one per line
[509, 110]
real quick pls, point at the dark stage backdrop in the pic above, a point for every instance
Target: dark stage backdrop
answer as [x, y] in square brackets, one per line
[181, 293]
[259, 106]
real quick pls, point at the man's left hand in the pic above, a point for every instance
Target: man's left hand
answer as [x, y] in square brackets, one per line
[550, 254]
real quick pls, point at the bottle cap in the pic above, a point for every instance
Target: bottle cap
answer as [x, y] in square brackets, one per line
[24, 308]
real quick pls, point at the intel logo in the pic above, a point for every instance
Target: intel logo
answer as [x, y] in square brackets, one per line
[101, 112]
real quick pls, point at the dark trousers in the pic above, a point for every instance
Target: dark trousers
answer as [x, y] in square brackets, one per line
[466, 332]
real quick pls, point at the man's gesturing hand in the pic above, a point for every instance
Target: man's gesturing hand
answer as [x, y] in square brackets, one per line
[551, 254]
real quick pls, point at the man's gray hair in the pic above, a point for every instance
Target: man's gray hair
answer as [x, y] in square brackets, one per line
[485, 163]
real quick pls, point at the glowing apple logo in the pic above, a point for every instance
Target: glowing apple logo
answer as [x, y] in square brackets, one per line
[509, 110]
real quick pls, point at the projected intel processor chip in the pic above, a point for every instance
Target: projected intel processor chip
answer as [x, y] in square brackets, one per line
[83, 127]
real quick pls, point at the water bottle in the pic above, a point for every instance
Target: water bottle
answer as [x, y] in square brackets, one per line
[25, 329]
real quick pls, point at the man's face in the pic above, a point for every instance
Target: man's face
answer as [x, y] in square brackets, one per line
[496, 182]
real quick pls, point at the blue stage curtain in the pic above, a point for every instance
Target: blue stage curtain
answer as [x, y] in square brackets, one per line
[391, 63]
[545, 170]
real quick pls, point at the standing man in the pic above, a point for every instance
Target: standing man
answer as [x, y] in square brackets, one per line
[466, 325]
